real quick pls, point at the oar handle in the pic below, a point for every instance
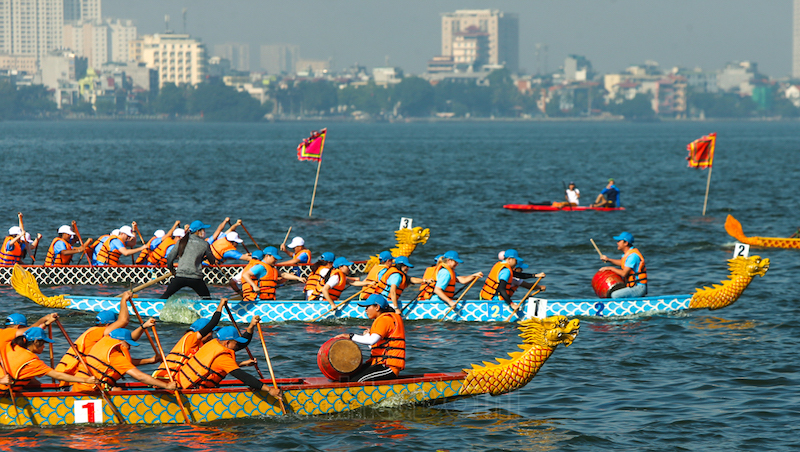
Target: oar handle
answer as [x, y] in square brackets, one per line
[514, 312]
[287, 236]
[186, 415]
[596, 248]
[249, 353]
[251, 237]
[85, 251]
[533, 286]
[151, 282]
[459, 299]
[269, 365]
[243, 244]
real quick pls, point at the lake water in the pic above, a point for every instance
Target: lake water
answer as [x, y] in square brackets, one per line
[722, 380]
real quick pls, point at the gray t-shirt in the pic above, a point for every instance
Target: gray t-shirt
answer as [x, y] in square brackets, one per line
[190, 263]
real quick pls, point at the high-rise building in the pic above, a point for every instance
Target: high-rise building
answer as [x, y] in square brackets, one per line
[100, 41]
[75, 10]
[796, 41]
[278, 58]
[237, 54]
[477, 35]
[31, 27]
[179, 58]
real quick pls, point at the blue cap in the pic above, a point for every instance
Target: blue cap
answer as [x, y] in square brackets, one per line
[403, 260]
[35, 333]
[272, 251]
[375, 298]
[123, 335]
[16, 319]
[436, 259]
[513, 254]
[385, 256]
[341, 261]
[257, 255]
[327, 257]
[198, 225]
[230, 333]
[105, 317]
[452, 255]
[626, 236]
[198, 325]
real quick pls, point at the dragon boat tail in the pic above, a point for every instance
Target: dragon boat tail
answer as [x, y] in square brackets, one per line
[734, 228]
[302, 396]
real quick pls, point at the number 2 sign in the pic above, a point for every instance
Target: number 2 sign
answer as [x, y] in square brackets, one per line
[88, 411]
[740, 249]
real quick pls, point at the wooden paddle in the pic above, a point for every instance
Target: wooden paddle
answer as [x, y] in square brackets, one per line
[160, 351]
[269, 365]
[10, 389]
[251, 237]
[52, 358]
[85, 250]
[136, 228]
[245, 246]
[596, 248]
[103, 392]
[459, 299]
[249, 353]
[287, 237]
[338, 305]
[150, 283]
[524, 298]
[564, 186]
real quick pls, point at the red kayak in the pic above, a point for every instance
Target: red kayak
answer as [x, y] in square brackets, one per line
[550, 208]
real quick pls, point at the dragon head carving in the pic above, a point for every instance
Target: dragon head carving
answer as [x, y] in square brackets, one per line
[540, 337]
[407, 241]
[743, 270]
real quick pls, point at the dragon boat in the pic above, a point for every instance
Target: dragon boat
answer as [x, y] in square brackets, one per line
[302, 396]
[742, 272]
[734, 229]
[552, 208]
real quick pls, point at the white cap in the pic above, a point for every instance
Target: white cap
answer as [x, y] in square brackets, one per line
[115, 232]
[297, 241]
[159, 233]
[127, 231]
[66, 230]
[14, 230]
[233, 237]
[178, 232]
[28, 237]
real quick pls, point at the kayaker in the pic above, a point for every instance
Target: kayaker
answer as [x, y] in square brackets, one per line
[109, 250]
[17, 324]
[216, 359]
[199, 333]
[386, 339]
[632, 268]
[300, 254]
[61, 250]
[446, 278]
[393, 280]
[319, 274]
[336, 281]
[190, 254]
[110, 360]
[609, 197]
[260, 280]
[22, 364]
[500, 284]
[385, 260]
[105, 322]
[572, 196]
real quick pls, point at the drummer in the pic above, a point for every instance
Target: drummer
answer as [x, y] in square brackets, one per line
[386, 338]
[500, 282]
[632, 268]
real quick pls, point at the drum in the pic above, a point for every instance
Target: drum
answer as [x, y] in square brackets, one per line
[605, 282]
[338, 358]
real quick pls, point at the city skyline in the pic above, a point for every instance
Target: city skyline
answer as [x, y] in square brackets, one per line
[613, 34]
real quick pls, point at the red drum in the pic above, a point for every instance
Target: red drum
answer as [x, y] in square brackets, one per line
[338, 358]
[605, 282]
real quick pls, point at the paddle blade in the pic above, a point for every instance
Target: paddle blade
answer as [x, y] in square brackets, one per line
[25, 284]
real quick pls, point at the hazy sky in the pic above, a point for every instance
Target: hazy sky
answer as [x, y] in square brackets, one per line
[613, 34]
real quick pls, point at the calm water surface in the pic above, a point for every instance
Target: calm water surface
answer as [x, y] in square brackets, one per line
[723, 380]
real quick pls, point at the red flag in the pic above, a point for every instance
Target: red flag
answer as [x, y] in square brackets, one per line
[701, 151]
[311, 147]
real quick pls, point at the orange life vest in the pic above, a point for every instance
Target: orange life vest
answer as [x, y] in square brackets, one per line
[61, 259]
[372, 278]
[14, 256]
[107, 257]
[99, 358]
[70, 362]
[492, 283]
[315, 282]
[198, 372]
[305, 251]
[391, 351]
[159, 255]
[267, 284]
[142, 257]
[336, 291]
[639, 275]
[15, 360]
[450, 290]
[221, 246]
[426, 291]
[382, 287]
[180, 353]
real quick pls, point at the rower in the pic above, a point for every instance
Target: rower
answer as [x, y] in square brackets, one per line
[446, 278]
[114, 246]
[338, 280]
[235, 283]
[499, 284]
[320, 271]
[260, 280]
[152, 244]
[61, 250]
[224, 248]
[159, 255]
[23, 366]
[14, 247]
[17, 324]
[199, 333]
[216, 359]
[609, 197]
[385, 260]
[394, 280]
[110, 360]
[386, 338]
[300, 254]
[429, 276]
[631, 268]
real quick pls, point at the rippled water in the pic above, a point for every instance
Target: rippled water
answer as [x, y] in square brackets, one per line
[722, 380]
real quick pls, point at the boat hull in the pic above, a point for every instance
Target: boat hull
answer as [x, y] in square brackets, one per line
[550, 208]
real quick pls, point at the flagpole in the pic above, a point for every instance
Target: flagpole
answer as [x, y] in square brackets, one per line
[708, 184]
[314, 194]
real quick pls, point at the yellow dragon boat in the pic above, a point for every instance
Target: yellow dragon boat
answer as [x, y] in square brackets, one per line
[734, 228]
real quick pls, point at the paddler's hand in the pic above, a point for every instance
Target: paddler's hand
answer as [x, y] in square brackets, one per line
[170, 386]
[51, 318]
[91, 381]
[604, 258]
[238, 223]
[247, 363]
[127, 295]
[246, 257]
[477, 275]
[272, 390]
[5, 379]
[254, 321]
[149, 323]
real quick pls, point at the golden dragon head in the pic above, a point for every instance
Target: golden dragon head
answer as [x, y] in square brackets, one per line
[743, 270]
[540, 337]
[407, 241]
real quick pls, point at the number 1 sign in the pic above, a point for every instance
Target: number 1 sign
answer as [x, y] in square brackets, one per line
[88, 411]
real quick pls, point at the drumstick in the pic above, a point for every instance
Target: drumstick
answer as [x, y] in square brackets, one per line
[595, 247]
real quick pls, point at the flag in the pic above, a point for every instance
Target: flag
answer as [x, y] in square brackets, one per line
[311, 147]
[701, 151]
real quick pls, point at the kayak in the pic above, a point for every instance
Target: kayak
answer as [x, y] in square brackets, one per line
[742, 272]
[550, 208]
[313, 396]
